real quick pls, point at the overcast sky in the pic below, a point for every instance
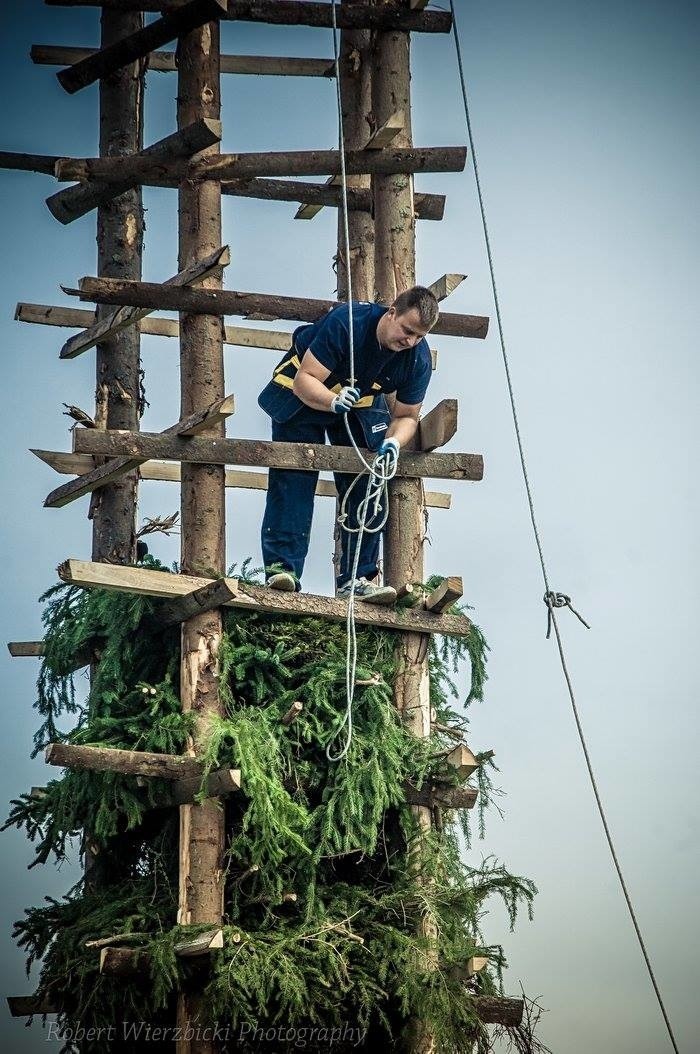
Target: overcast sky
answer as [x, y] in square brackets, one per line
[586, 123]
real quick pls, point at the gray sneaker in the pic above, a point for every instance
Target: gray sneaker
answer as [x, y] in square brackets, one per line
[367, 592]
[282, 581]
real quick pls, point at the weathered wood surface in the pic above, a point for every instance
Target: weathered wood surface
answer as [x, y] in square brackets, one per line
[300, 13]
[26, 648]
[174, 23]
[445, 285]
[258, 598]
[462, 761]
[438, 426]
[71, 317]
[69, 204]
[315, 195]
[446, 594]
[445, 797]
[152, 171]
[234, 302]
[164, 62]
[146, 446]
[123, 317]
[126, 762]
[28, 1005]
[219, 784]
[44, 163]
[211, 596]
[112, 470]
[167, 471]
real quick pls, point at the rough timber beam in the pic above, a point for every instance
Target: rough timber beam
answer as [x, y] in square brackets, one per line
[233, 302]
[69, 204]
[164, 62]
[313, 196]
[442, 796]
[72, 317]
[175, 23]
[300, 13]
[99, 477]
[166, 471]
[26, 648]
[141, 580]
[145, 446]
[45, 163]
[126, 762]
[123, 317]
[438, 426]
[446, 594]
[445, 285]
[150, 171]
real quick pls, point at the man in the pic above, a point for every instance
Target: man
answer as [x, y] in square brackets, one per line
[308, 398]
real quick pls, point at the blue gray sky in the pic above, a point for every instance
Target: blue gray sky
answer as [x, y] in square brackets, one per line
[585, 117]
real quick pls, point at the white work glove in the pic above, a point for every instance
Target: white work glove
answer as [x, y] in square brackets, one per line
[345, 400]
[390, 450]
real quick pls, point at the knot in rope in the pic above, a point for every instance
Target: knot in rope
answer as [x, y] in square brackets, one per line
[559, 600]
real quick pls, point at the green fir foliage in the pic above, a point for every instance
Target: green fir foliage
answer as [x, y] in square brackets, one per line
[339, 836]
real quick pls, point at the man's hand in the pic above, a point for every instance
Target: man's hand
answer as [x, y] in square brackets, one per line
[345, 400]
[390, 451]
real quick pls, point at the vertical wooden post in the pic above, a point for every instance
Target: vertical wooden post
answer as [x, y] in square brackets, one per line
[395, 270]
[119, 255]
[202, 506]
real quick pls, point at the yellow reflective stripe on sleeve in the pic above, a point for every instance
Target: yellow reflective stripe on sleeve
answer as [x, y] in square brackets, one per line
[293, 360]
[286, 382]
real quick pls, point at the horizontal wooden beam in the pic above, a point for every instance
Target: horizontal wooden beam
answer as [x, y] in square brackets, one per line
[442, 796]
[167, 471]
[126, 762]
[189, 426]
[45, 163]
[301, 13]
[219, 784]
[145, 446]
[314, 196]
[124, 317]
[234, 302]
[141, 580]
[69, 204]
[445, 595]
[71, 317]
[136, 169]
[29, 1005]
[174, 23]
[26, 648]
[164, 62]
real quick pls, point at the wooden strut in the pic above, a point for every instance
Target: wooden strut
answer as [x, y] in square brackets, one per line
[164, 62]
[300, 13]
[143, 581]
[112, 470]
[79, 464]
[69, 204]
[173, 24]
[150, 171]
[233, 302]
[144, 446]
[123, 317]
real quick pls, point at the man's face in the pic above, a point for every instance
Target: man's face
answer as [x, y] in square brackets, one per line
[399, 332]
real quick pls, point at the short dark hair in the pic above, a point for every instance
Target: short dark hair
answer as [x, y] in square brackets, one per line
[423, 299]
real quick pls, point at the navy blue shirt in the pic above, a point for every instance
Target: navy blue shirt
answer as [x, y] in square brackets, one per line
[406, 372]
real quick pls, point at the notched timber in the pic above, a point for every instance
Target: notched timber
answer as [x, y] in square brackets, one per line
[145, 446]
[69, 204]
[175, 23]
[92, 575]
[234, 302]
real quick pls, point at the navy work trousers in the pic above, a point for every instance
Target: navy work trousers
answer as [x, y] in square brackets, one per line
[286, 526]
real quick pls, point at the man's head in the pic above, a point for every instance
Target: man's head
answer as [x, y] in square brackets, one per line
[412, 315]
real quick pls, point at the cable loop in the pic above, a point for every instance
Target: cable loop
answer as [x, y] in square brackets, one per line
[560, 600]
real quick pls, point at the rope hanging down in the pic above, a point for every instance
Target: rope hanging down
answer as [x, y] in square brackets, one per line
[552, 600]
[378, 473]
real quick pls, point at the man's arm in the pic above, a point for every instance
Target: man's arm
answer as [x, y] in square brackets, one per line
[308, 383]
[404, 421]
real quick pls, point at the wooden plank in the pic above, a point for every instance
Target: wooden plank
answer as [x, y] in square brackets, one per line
[234, 302]
[123, 317]
[387, 131]
[69, 204]
[126, 762]
[301, 13]
[141, 580]
[103, 474]
[48, 315]
[175, 23]
[165, 471]
[28, 1005]
[440, 795]
[26, 648]
[145, 446]
[149, 171]
[462, 761]
[164, 62]
[307, 210]
[445, 594]
[438, 426]
[442, 287]
[211, 596]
